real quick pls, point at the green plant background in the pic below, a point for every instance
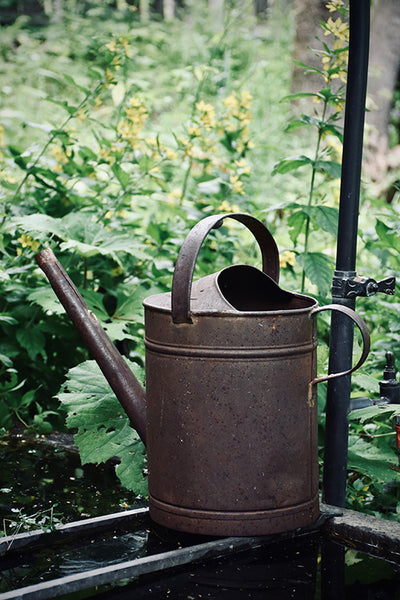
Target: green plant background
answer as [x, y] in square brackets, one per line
[119, 134]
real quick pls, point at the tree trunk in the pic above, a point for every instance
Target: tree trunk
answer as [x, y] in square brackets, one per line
[383, 76]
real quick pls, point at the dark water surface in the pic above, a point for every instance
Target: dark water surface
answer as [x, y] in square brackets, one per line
[40, 474]
[34, 476]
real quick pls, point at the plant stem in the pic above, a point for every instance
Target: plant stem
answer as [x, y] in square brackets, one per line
[311, 193]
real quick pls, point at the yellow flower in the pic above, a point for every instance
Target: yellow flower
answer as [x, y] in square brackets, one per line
[116, 271]
[287, 258]
[59, 154]
[225, 206]
[126, 46]
[116, 63]
[80, 115]
[112, 46]
[27, 241]
[334, 5]
[242, 166]
[237, 185]
[194, 131]
[170, 154]
[175, 193]
[207, 116]
[109, 76]
[1, 135]
[338, 28]
[105, 154]
[245, 99]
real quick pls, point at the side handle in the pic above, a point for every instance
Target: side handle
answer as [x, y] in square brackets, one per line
[365, 337]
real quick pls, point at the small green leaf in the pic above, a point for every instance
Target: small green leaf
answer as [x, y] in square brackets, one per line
[290, 164]
[121, 175]
[296, 223]
[72, 81]
[71, 110]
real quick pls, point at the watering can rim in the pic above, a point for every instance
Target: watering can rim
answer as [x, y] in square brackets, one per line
[163, 302]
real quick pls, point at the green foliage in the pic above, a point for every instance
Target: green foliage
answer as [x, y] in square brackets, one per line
[45, 520]
[102, 429]
[123, 135]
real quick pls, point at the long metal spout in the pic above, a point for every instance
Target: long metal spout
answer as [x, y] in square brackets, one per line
[121, 379]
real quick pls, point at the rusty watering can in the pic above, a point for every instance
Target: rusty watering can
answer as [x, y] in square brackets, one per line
[230, 414]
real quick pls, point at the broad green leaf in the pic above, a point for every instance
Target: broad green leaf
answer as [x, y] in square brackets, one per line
[103, 428]
[326, 217]
[32, 340]
[290, 164]
[389, 237]
[318, 269]
[366, 382]
[330, 167]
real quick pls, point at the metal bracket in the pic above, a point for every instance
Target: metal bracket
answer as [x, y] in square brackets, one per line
[346, 284]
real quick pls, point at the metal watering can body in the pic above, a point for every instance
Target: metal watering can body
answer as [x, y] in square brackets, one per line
[231, 401]
[231, 413]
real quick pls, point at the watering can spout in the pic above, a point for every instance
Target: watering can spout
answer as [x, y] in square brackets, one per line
[121, 379]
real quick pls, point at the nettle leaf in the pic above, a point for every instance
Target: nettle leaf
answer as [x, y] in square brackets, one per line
[326, 217]
[32, 224]
[371, 412]
[318, 269]
[296, 223]
[366, 382]
[290, 164]
[103, 429]
[45, 297]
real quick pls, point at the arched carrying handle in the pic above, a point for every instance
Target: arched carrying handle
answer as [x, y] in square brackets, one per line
[186, 261]
[365, 337]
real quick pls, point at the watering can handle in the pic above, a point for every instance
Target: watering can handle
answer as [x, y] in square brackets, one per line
[186, 261]
[365, 337]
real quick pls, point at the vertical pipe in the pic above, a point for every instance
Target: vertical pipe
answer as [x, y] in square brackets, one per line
[341, 337]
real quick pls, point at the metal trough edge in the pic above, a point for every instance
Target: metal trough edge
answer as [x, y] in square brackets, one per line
[362, 532]
[373, 535]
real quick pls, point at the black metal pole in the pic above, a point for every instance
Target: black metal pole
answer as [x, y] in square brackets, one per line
[341, 337]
